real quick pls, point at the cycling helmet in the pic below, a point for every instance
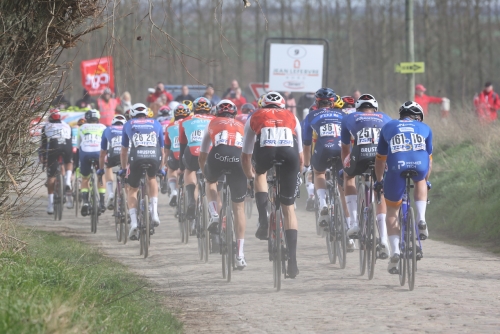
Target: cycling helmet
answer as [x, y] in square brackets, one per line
[202, 105]
[151, 113]
[118, 120]
[138, 109]
[164, 111]
[273, 99]
[259, 101]
[54, 116]
[226, 107]
[181, 111]
[172, 105]
[213, 110]
[325, 94]
[412, 108]
[339, 103]
[348, 101]
[247, 108]
[92, 115]
[81, 121]
[366, 101]
[189, 104]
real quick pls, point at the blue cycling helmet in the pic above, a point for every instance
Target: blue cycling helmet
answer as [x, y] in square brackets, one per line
[325, 94]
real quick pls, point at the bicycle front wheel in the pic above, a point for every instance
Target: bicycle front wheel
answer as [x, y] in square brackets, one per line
[402, 249]
[279, 253]
[124, 215]
[371, 240]
[340, 232]
[412, 249]
[95, 206]
[76, 196]
[145, 227]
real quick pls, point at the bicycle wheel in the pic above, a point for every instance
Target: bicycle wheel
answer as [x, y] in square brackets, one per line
[411, 243]
[117, 213]
[361, 221]
[76, 196]
[62, 196]
[248, 207]
[180, 208]
[205, 233]
[95, 207]
[187, 222]
[340, 232]
[56, 199]
[145, 226]
[229, 236]
[330, 235]
[124, 215]
[222, 238]
[198, 225]
[279, 254]
[371, 240]
[402, 249]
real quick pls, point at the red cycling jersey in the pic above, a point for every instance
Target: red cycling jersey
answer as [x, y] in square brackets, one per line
[272, 118]
[226, 131]
[242, 118]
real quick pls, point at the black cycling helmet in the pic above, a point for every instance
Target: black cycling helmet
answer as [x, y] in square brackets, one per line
[411, 108]
[325, 94]
[92, 116]
[247, 108]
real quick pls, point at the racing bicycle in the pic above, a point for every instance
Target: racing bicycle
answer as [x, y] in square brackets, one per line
[226, 230]
[77, 186]
[94, 196]
[181, 211]
[201, 220]
[144, 226]
[59, 191]
[120, 210]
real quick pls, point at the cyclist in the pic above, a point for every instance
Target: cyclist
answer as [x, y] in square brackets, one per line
[225, 133]
[349, 104]
[145, 138]
[190, 104]
[172, 150]
[191, 132]
[56, 144]
[76, 151]
[363, 127]
[111, 143]
[404, 144]
[246, 110]
[89, 144]
[274, 133]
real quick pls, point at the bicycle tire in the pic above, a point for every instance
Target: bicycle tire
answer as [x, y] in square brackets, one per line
[124, 214]
[330, 235]
[62, 195]
[340, 232]
[198, 225]
[56, 200]
[248, 207]
[117, 214]
[402, 249]
[361, 243]
[412, 249]
[205, 232]
[146, 226]
[186, 221]
[180, 205]
[229, 236]
[279, 255]
[76, 189]
[371, 240]
[95, 207]
[222, 239]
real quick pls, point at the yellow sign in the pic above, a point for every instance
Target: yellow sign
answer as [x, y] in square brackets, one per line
[405, 68]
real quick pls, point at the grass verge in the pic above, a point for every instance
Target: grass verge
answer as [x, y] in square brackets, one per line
[59, 285]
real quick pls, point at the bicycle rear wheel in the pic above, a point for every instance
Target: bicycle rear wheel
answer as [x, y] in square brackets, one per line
[330, 236]
[222, 239]
[145, 226]
[95, 195]
[412, 249]
[205, 233]
[56, 199]
[229, 237]
[76, 196]
[371, 240]
[361, 234]
[402, 249]
[340, 232]
[279, 253]
[187, 222]
[117, 214]
[180, 208]
[124, 215]
[198, 225]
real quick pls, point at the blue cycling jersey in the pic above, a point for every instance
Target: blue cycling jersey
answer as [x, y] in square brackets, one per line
[145, 132]
[363, 127]
[112, 137]
[325, 125]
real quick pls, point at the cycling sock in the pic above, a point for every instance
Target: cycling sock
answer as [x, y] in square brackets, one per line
[421, 206]
[394, 241]
[261, 201]
[101, 198]
[291, 242]
[352, 206]
[154, 203]
[382, 227]
[172, 183]
[109, 188]
[51, 198]
[348, 221]
[212, 208]
[310, 189]
[68, 177]
[85, 195]
[133, 217]
[240, 243]
[322, 197]
[190, 193]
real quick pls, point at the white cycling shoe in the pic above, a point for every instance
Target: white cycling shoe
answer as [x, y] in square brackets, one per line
[213, 224]
[354, 230]
[384, 250]
[422, 229]
[111, 203]
[132, 234]
[351, 246]
[50, 209]
[69, 202]
[240, 262]
[173, 198]
[393, 267]
[156, 220]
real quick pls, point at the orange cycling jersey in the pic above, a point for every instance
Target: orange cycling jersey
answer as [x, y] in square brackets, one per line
[272, 118]
[226, 131]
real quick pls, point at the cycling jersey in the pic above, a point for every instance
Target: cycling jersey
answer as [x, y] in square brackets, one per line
[405, 145]
[172, 138]
[164, 121]
[191, 131]
[56, 142]
[324, 125]
[223, 131]
[89, 137]
[55, 132]
[242, 118]
[112, 142]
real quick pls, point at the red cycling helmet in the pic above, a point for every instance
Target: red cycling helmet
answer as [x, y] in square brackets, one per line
[55, 116]
[349, 101]
[226, 107]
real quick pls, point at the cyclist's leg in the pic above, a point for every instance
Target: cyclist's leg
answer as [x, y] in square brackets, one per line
[85, 172]
[172, 172]
[52, 163]
[212, 172]
[238, 185]
[68, 163]
[355, 167]
[191, 164]
[319, 161]
[420, 195]
[153, 193]
[394, 187]
[133, 180]
[262, 160]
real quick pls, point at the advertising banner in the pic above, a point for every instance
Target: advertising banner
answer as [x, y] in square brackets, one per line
[97, 74]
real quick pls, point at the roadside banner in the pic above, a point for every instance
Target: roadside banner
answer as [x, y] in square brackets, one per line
[97, 74]
[296, 67]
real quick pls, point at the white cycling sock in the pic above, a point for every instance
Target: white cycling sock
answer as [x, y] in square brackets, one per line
[68, 177]
[133, 217]
[322, 197]
[421, 207]
[109, 189]
[348, 222]
[352, 206]
[394, 241]
[172, 183]
[212, 208]
[382, 227]
[154, 202]
[51, 198]
[240, 243]
[310, 189]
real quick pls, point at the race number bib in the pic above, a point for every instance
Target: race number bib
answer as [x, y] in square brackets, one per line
[368, 136]
[116, 141]
[398, 143]
[221, 138]
[176, 142]
[91, 139]
[329, 130]
[238, 142]
[279, 136]
[145, 139]
[418, 142]
[197, 136]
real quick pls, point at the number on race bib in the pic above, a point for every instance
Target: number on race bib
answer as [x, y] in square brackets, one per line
[368, 136]
[418, 142]
[176, 142]
[221, 138]
[279, 136]
[197, 136]
[116, 141]
[239, 140]
[329, 130]
[398, 143]
[145, 139]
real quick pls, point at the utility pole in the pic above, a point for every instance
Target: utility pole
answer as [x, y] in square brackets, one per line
[410, 50]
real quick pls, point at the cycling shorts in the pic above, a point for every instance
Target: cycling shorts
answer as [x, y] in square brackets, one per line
[55, 150]
[172, 162]
[359, 160]
[135, 168]
[222, 158]
[290, 173]
[85, 162]
[395, 184]
[189, 160]
[321, 157]
[112, 162]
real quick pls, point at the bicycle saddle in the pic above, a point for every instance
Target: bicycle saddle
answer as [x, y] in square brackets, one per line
[278, 162]
[409, 173]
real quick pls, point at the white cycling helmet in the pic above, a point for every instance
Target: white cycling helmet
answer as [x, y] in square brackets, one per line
[412, 108]
[172, 105]
[273, 98]
[366, 101]
[118, 119]
[138, 109]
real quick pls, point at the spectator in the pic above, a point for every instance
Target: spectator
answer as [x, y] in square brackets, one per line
[86, 101]
[487, 103]
[125, 103]
[184, 95]
[159, 91]
[356, 95]
[238, 99]
[424, 100]
[210, 94]
[290, 102]
[231, 91]
[305, 102]
[107, 106]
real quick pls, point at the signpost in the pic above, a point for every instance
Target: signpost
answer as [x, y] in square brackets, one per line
[406, 68]
[258, 89]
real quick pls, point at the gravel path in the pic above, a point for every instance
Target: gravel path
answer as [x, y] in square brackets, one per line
[457, 289]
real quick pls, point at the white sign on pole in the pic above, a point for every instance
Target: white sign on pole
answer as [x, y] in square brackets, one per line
[296, 67]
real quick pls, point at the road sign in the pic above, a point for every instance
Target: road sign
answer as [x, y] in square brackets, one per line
[406, 68]
[258, 89]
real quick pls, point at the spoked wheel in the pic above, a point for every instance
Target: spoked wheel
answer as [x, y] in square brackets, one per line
[279, 253]
[204, 232]
[340, 232]
[411, 243]
[187, 222]
[402, 250]
[95, 207]
[199, 228]
[118, 218]
[124, 215]
[62, 195]
[361, 234]
[145, 227]
[330, 243]
[229, 239]
[57, 199]
[248, 207]
[180, 208]
[371, 240]
[222, 240]
[76, 195]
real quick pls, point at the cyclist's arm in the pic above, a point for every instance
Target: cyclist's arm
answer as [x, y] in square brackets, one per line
[161, 140]
[204, 149]
[381, 158]
[124, 151]
[43, 145]
[104, 150]
[345, 138]
[345, 151]
[307, 155]
[429, 148]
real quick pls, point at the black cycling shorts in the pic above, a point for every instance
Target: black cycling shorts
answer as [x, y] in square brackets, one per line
[321, 157]
[227, 158]
[55, 150]
[190, 161]
[135, 169]
[172, 162]
[290, 173]
[113, 161]
[361, 158]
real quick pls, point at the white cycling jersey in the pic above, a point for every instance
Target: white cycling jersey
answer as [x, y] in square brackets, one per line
[89, 137]
[60, 131]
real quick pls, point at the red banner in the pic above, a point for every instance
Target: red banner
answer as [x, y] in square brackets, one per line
[97, 74]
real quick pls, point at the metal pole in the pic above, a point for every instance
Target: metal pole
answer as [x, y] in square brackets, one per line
[410, 50]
